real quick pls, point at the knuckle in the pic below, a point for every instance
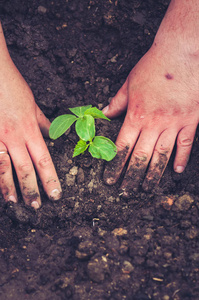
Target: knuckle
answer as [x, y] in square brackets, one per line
[115, 105]
[130, 117]
[25, 167]
[45, 161]
[121, 145]
[140, 155]
[185, 142]
[161, 149]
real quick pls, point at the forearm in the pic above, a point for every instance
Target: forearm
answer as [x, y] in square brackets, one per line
[182, 20]
[4, 54]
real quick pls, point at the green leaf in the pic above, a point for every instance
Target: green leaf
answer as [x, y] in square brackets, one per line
[103, 148]
[79, 111]
[96, 113]
[80, 148]
[60, 125]
[85, 128]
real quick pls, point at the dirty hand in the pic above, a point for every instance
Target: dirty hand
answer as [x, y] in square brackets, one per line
[161, 97]
[21, 141]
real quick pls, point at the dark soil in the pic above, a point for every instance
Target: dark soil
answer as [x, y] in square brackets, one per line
[93, 244]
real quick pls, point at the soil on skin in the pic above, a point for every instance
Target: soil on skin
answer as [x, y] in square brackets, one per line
[93, 244]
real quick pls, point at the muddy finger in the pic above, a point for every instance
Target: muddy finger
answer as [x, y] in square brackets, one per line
[7, 186]
[138, 163]
[113, 168]
[134, 175]
[26, 176]
[159, 160]
[125, 142]
[45, 167]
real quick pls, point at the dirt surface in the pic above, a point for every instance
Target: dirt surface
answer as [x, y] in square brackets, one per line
[93, 244]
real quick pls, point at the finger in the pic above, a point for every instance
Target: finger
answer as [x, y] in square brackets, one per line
[7, 186]
[125, 142]
[44, 166]
[118, 103]
[184, 144]
[160, 158]
[138, 163]
[44, 123]
[26, 175]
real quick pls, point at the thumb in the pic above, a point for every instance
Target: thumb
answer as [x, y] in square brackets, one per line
[44, 123]
[118, 103]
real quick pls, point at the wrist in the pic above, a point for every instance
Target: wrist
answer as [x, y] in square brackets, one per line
[181, 21]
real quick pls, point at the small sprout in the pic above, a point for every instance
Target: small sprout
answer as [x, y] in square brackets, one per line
[84, 119]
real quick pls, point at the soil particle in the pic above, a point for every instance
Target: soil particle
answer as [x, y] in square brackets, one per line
[72, 52]
[98, 268]
[195, 258]
[112, 242]
[120, 232]
[167, 202]
[73, 171]
[92, 185]
[86, 248]
[192, 233]
[127, 267]
[81, 255]
[138, 248]
[18, 213]
[70, 180]
[80, 176]
[83, 233]
[124, 247]
[42, 9]
[185, 224]
[183, 203]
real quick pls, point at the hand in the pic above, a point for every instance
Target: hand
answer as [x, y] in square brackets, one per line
[21, 141]
[161, 97]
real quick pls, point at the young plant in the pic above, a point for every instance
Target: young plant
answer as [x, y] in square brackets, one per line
[84, 119]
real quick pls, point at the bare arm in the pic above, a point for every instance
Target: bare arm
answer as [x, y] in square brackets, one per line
[21, 141]
[161, 97]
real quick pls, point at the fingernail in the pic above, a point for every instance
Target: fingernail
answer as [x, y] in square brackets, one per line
[12, 198]
[105, 109]
[35, 204]
[55, 194]
[179, 169]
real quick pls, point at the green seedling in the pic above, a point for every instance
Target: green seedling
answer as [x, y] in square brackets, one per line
[84, 119]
